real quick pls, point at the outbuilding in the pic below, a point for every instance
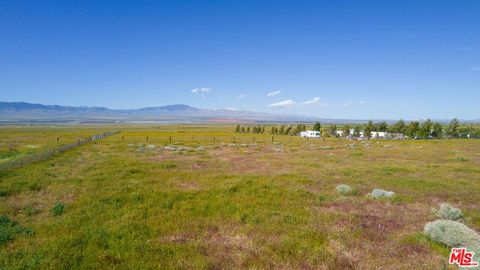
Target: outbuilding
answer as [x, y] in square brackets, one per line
[310, 134]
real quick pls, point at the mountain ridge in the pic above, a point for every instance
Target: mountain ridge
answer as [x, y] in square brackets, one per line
[35, 112]
[24, 112]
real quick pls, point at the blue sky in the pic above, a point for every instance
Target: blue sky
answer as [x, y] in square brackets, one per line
[333, 59]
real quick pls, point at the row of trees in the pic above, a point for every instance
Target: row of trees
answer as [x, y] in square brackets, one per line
[255, 129]
[413, 129]
[274, 130]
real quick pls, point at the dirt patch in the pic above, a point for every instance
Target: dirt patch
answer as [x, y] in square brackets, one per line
[379, 219]
[236, 160]
[228, 248]
[376, 231]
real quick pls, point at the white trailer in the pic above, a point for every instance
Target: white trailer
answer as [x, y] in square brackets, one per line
[310, 134]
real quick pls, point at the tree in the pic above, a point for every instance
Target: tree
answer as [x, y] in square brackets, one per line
[237, 129]
[398, 127]
[382, 126]
[248, 129]
[273, 131]
[317, 126]
[300, 128]
[367, 130]
[242, 129]
[263, 129]
[466, 131]
[437, 130]
[288, 130]
[282, 130]
[412, 129]
[346, 130]
[453, 127]
[425, 129]
[356, 131]
[332, 130]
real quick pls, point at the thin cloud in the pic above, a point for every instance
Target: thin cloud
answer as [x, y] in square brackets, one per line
[201, 90]
[474, 68]
[468, 48]
[241, 96]
[274, 93]
[315, 101]
[283, 104]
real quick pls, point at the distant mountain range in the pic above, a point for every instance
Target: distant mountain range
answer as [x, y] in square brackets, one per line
[23, 112]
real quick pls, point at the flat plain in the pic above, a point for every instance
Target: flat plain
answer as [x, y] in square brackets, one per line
[204, 197]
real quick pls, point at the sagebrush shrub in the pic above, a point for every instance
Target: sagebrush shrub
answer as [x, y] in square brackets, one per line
[446, 211]
[380, 193]
[344, 189]
[453, 234]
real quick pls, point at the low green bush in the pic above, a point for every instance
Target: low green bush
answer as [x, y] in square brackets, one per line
[58, 209]
[9, 228]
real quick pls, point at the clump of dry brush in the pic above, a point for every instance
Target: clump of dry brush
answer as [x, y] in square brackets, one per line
[450, 232]
[446, 211]
[344, 189]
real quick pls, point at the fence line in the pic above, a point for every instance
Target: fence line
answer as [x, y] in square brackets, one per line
[43, 155]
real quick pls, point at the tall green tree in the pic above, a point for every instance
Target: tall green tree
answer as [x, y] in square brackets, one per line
[383, 126]
[317, 126]
[356, 131]
[367, 130]
[346, 130]
[398, 127]
[332, 130]
[412, 129]
[237, 129]
[453, 127]
[288, 130]
[425, 129]
[437, 130]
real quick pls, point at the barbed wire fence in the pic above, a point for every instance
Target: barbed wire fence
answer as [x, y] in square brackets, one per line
[43, 155]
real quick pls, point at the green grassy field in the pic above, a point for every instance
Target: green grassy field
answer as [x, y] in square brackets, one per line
[199, 200]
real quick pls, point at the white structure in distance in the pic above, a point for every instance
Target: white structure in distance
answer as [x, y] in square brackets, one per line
[310, 134]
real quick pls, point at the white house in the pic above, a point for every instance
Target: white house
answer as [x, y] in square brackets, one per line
[310, 134]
